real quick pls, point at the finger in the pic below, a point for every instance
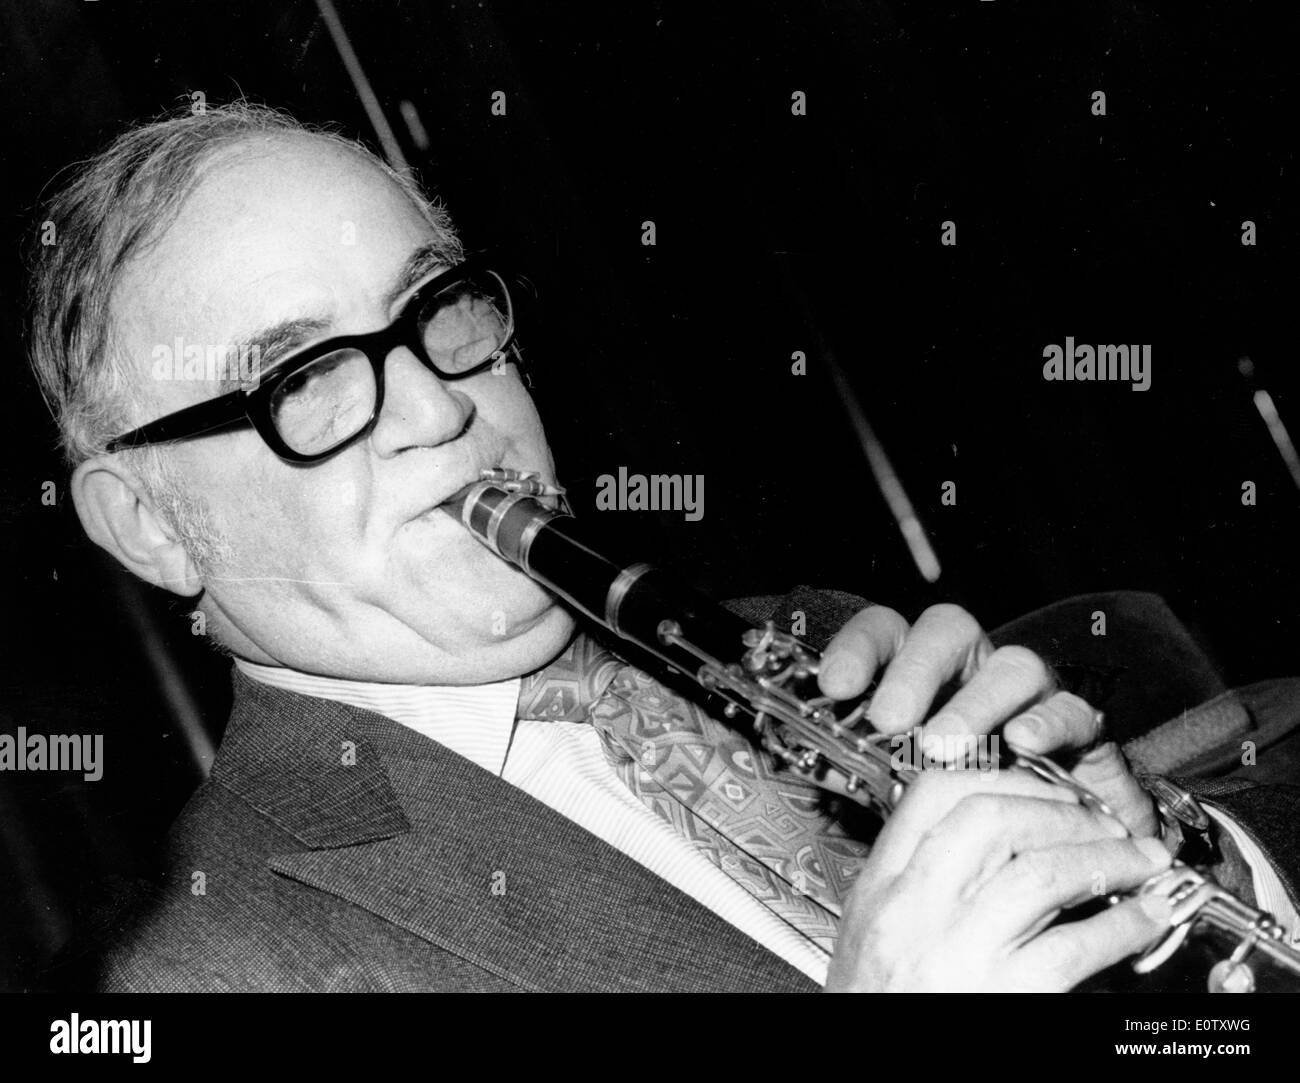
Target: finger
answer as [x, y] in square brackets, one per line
[984, 832]
[1105, 771]
[1065, 955]
[868, 641]
[1009, 679]
[1036, 885]
[945, 642]
[934, 795]
[1066, 721]
[1063, 720]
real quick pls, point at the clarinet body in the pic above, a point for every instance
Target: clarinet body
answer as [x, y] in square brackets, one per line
[766, 681]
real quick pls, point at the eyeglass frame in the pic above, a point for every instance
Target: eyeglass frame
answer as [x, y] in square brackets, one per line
[253, 405]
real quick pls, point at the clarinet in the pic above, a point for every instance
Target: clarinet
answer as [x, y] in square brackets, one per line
[765, 680]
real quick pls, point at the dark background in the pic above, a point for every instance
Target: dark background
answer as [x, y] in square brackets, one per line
[775, 233]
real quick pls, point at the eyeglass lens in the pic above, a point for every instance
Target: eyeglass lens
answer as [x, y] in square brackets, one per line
[327, 402]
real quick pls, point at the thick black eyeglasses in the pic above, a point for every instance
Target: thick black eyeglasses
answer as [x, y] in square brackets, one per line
[308, 406]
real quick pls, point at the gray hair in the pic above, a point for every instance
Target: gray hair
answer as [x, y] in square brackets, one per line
[115, 206]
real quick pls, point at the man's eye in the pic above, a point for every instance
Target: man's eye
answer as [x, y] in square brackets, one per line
[326, 401]
[314, 374]
[297, 383]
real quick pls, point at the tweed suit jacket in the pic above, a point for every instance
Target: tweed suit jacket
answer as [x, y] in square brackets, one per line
[410, 868]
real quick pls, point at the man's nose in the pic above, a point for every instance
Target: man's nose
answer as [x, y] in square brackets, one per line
[419, 409]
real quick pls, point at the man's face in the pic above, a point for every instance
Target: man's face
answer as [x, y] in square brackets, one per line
[343, 567]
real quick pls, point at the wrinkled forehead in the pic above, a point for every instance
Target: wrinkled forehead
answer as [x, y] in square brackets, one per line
[275, 230]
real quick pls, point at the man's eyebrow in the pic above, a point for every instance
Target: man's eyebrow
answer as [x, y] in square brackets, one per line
[285, 335]
[419, 264]
[291, 333]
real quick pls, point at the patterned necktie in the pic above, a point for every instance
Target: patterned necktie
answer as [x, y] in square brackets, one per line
[768, 830]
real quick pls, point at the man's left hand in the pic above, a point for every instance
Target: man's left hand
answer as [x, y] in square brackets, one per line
[945, 651]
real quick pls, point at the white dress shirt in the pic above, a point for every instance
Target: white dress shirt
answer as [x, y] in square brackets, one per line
[563, 765]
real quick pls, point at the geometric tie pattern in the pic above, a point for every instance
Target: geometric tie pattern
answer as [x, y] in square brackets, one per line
[770, 831]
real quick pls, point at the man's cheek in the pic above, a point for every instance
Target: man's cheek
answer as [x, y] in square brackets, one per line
[342, 499]
[329, 517]
[282, 538]
[505, 406]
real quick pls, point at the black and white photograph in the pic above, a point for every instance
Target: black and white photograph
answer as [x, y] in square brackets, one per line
[650, 498]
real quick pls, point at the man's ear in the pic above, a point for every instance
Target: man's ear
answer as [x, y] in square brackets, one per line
[118, 515]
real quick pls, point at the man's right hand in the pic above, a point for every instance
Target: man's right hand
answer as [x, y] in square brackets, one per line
[967, 875]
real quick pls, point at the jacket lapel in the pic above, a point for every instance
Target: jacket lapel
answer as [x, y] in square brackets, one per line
[424, 839]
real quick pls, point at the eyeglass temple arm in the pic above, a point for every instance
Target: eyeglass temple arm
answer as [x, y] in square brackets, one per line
[194, 420]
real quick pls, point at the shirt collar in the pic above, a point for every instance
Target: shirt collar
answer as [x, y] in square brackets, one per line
[474, 721]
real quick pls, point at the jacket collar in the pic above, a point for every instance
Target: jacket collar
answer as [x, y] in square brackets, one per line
[309, 765]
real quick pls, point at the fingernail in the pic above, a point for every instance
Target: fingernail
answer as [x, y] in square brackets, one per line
[1115, 827]
[945, 723]
[891, 708]
[1157, 908]
[1153, 850]
[1029, 723]
[1023, 731]
[835, 674]
[934, 747]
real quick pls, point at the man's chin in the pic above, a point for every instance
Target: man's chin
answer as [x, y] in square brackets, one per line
[515, 641]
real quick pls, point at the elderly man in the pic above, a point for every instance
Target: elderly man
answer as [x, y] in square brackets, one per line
[385, 812]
